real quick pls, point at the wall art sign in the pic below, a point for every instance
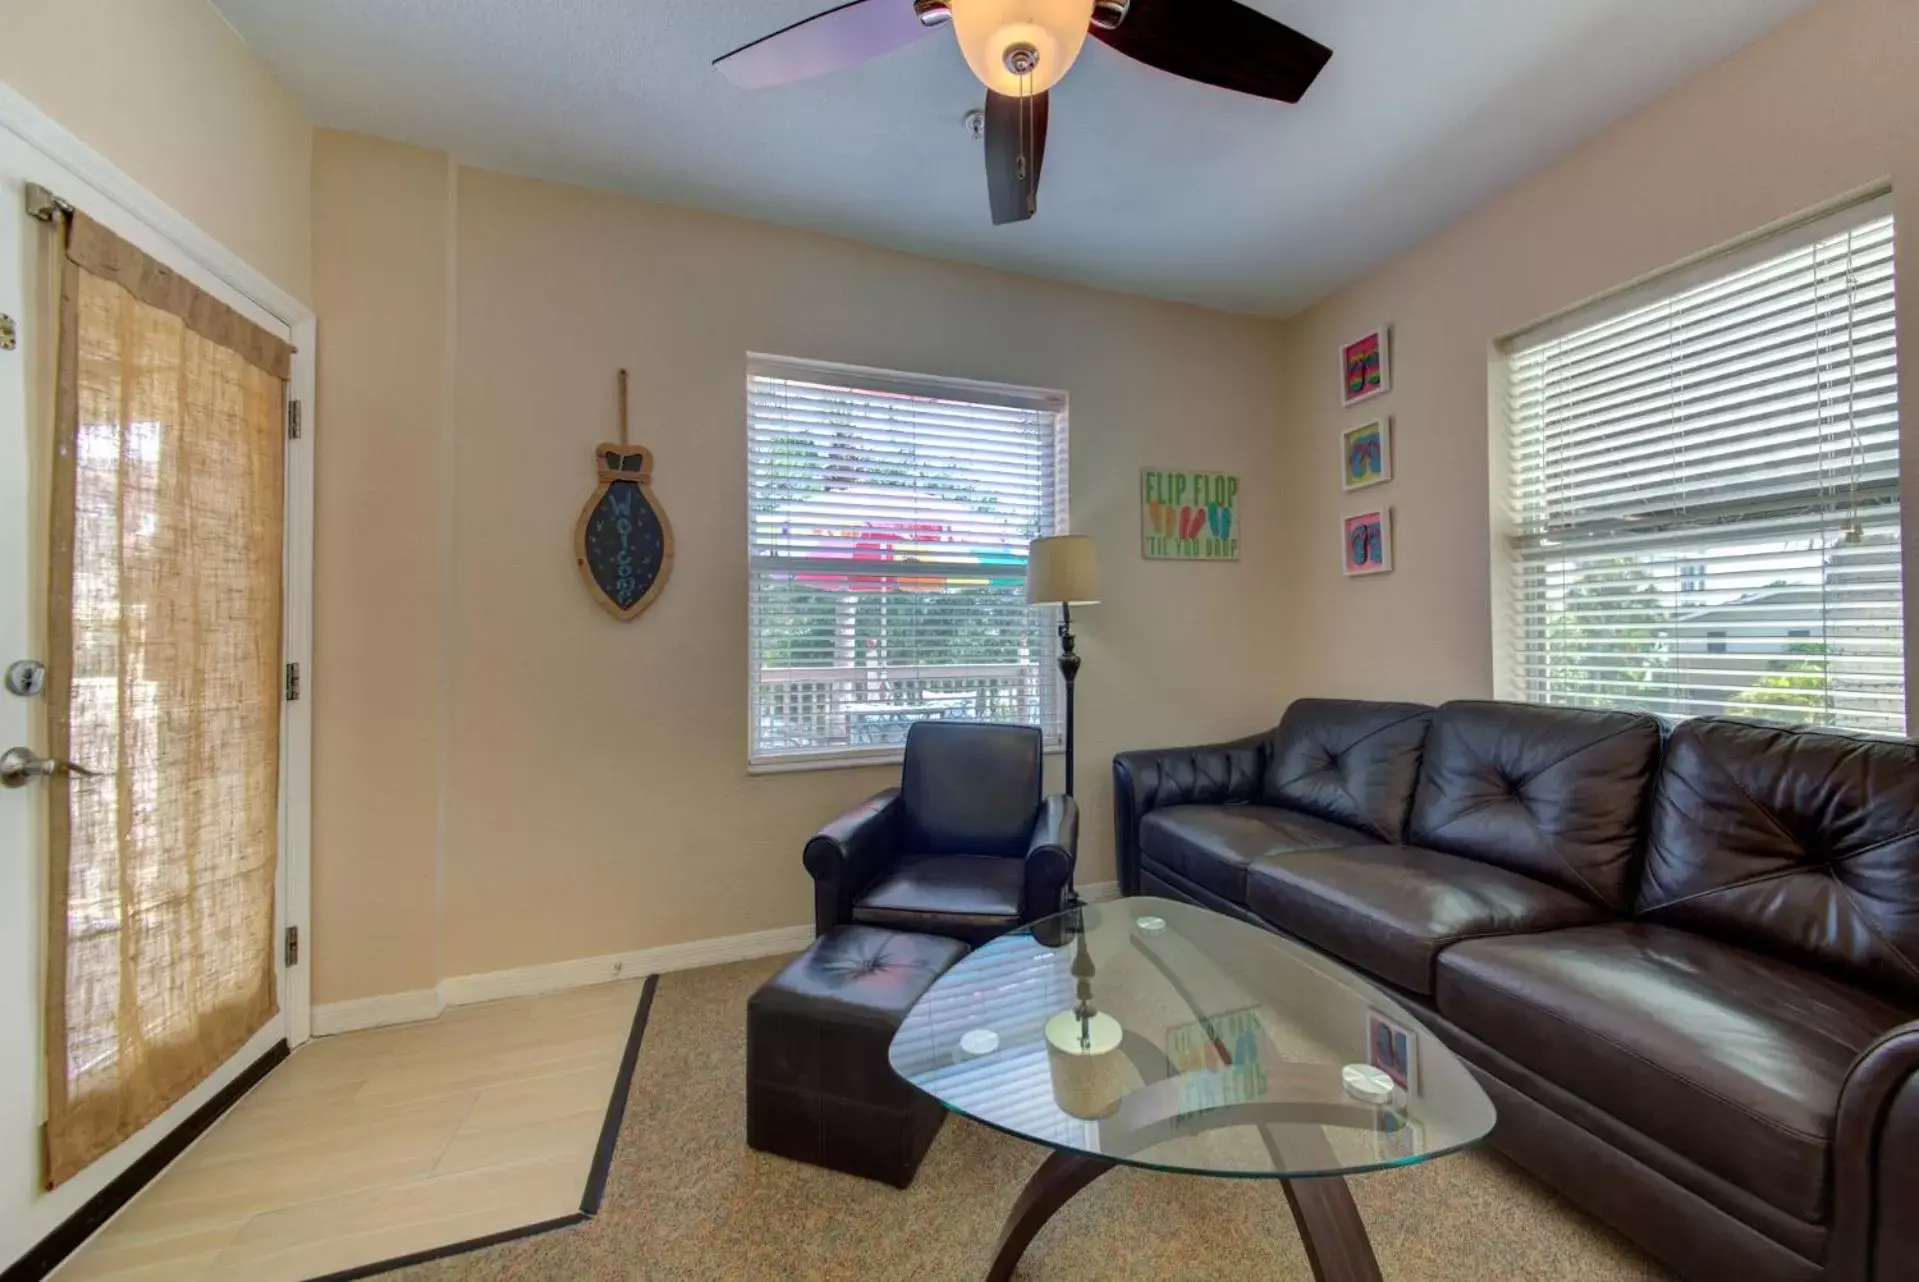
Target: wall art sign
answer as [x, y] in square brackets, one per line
[1365, 367]
[1368, 539]
[623, 542]
[1366, 454]
[1188, 516]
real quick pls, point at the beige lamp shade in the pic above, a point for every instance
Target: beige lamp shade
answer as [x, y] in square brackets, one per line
[1063, 569]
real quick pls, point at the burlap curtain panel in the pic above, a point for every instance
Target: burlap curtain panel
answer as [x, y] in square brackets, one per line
[164, 637]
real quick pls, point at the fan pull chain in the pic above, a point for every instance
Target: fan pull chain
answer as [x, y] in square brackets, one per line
[1019, 160]
[1028, 127]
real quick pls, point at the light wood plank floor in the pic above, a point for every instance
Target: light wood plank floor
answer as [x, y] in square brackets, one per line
[369, 1146]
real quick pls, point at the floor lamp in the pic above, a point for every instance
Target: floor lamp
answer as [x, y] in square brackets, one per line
[1064, 571]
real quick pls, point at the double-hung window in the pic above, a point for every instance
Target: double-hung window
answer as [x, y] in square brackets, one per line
[1703, 489]
[888, 518]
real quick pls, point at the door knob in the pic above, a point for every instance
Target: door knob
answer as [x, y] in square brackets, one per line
[18, 767]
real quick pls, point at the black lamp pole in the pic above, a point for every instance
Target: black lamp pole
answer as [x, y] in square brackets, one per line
[1062, 570]
[1069, 669]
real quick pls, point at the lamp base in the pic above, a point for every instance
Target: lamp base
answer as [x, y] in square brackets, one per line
[1088, 1070]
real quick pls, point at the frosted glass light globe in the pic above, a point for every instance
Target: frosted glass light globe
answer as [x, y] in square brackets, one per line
[986, 29]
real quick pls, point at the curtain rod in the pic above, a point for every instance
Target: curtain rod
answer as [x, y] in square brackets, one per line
[44, 205]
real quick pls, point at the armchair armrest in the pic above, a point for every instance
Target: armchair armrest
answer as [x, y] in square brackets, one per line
[1050, 857]
[1146, 779]
[1875, 1154]
[845, 856]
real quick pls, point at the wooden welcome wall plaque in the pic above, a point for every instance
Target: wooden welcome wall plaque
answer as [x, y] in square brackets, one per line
[623, 541]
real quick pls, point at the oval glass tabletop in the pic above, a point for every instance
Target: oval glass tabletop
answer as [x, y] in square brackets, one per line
[1164, 1035]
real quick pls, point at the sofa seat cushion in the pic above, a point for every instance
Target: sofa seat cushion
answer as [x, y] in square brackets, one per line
[969, 897]
[1212, 846]
[1731, 1059]
[1391, 909]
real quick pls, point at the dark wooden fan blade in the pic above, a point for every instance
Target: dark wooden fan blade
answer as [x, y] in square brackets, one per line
[1015, 148]
[1220, 42]
[826, 42]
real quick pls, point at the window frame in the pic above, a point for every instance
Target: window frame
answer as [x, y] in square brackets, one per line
[1055, 520]
[1514, 676]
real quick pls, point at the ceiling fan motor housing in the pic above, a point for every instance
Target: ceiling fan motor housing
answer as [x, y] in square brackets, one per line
[1020, 49]
[1107, 14]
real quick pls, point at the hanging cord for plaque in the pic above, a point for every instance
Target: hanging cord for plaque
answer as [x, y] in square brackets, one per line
[622, 409]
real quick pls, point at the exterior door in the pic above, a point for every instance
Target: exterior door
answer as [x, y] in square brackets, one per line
[29, 300]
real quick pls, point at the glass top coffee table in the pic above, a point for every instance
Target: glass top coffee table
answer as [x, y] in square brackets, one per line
[1146, 1032]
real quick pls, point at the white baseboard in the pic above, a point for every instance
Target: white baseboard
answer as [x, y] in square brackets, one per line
[531, 981]
[376, 1012]
[555, 977]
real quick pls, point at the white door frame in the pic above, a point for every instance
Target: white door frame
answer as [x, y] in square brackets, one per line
[87, 179]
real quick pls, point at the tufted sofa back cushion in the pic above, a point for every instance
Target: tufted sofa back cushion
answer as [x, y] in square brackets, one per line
[1348, 760]
[1557, 794]
[1799, 843]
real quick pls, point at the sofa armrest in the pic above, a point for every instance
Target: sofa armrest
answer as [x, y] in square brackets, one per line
[1875, 1154]
[1050, 857]
[1145, 780]
[845, 856]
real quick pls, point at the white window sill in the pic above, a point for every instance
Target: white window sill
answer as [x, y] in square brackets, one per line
[800, 763]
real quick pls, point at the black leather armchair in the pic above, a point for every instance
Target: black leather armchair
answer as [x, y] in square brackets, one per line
[965, 847]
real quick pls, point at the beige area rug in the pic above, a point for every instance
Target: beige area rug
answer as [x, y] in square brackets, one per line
[687, 1199]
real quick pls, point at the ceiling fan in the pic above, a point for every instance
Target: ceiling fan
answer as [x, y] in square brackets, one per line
[1021, 48]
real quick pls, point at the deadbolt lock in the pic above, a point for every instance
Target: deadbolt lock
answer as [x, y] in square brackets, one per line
[26, 677]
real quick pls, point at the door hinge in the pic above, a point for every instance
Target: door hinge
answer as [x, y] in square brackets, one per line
[293, 683]
[293, 420]
[293, 945]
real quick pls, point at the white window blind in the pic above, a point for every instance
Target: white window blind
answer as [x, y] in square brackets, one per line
[1704, 490]
[888, 522]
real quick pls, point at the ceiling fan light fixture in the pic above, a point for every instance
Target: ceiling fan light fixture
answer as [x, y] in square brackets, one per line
[1045, 35]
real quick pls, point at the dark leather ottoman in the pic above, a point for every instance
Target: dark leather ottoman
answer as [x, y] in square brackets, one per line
[819, 1088]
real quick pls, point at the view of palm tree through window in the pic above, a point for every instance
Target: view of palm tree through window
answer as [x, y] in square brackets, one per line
[1704, 492]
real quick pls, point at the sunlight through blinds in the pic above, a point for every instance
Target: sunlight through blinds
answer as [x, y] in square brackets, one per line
[887, 528]
[1704, 490]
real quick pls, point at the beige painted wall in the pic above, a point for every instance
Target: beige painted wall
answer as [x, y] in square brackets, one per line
[596, 790]
[593, 790]
[382, 228]
[1826, 104]
[169, 93]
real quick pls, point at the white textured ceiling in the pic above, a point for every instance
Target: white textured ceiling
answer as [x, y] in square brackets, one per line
[1153, 185]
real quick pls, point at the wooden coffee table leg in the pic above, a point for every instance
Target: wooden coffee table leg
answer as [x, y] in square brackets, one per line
[1329, 1225]
[1053, 1185]
[1330, 1228]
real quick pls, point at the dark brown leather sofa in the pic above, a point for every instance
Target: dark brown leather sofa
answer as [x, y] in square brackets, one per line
[1685, 964]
